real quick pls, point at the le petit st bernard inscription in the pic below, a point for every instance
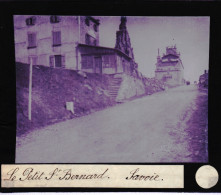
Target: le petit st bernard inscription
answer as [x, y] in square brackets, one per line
[30, 173]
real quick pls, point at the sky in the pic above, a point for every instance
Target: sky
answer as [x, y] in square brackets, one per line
[147, 34]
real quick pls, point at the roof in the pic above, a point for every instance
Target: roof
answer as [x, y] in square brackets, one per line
[165, 56]
[102, 47]
[94, 20]
[167, 63]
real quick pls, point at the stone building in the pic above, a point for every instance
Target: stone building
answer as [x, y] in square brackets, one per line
[71, 42]
[52, 40]
[109, 60]
[169, 67]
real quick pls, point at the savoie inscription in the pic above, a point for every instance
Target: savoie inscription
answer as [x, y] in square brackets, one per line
[30, 173]
[136, 175]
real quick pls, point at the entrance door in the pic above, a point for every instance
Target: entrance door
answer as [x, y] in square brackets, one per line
[98, 65]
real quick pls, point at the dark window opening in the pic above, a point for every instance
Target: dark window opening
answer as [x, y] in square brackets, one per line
[31, 40]
[87, 62]
[89, 40]
[95, 28]
[108, 61]
[56, 38]
[87, 22]
[55, 19]
[57, 61]
[31, 21]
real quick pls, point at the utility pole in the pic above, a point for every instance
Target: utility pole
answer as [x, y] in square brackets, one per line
[30, 89]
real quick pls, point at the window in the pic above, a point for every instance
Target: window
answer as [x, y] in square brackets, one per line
[30, 21]
[55, 19]
[87, 22]
[87, 62]
[31, 40]
[57, 61]
[108, 61]
[89, 40]
[56, 38]
[95, 28]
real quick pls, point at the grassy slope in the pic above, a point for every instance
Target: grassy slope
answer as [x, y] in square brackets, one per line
[52, 88]
[198, 128]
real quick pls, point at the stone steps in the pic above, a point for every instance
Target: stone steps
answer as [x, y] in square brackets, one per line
[114, 87]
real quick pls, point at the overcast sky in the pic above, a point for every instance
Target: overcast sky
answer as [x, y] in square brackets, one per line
[147, 34]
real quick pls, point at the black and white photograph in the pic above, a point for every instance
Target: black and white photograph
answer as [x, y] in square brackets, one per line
[111, 89]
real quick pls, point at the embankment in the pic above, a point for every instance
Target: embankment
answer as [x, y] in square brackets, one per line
[52, 88]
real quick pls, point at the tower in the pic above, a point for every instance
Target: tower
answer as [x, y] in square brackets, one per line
[123, 39]
[169, 67]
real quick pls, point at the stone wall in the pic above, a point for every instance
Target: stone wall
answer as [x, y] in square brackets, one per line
[132, 87]
[153, 85]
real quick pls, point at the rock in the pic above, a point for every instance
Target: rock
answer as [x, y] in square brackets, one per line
[88, 86]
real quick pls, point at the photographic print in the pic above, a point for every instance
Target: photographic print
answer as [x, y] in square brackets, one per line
[111, 89]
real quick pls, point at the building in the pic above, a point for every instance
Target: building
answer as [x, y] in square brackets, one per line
[203, 79]
[169, 67]
[71, 42]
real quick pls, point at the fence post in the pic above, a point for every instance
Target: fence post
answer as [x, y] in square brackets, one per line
[30, 90]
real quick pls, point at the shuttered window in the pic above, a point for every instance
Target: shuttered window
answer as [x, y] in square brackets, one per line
[57, 61]
[31, 21]
[56, 38]
[31, 40]
[51, 61]
[55, 19]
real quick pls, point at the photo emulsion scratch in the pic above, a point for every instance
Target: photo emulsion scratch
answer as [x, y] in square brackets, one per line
[122, 89]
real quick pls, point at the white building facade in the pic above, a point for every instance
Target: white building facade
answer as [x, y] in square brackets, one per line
[169, 67]
[53, 40]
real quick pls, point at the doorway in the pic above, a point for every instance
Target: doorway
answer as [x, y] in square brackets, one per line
[98, 65]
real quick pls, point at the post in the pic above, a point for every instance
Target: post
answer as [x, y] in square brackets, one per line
[79, 29]
[30, 90]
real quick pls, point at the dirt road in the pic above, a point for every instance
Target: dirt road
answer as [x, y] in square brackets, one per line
[154, 128]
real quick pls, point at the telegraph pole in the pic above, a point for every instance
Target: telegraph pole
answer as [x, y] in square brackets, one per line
[30, 90]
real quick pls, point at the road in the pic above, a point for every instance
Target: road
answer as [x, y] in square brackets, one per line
[148, 129]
